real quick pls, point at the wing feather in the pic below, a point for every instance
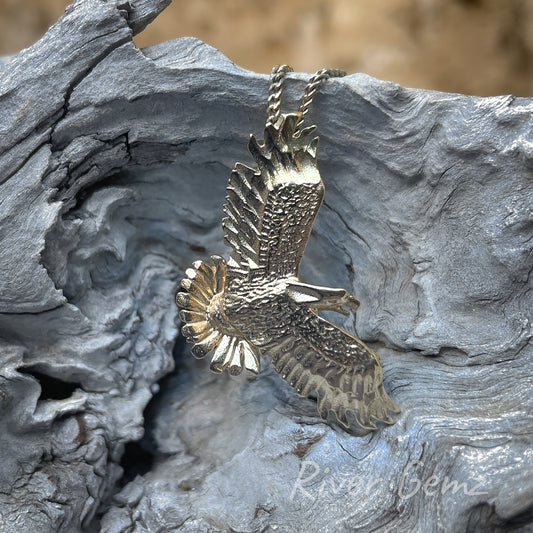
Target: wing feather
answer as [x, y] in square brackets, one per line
[346, 375]
[270, 211]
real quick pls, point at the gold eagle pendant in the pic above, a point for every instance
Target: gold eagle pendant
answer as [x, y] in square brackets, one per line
[254, 305]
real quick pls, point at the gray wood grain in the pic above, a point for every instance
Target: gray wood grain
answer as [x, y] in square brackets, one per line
[113, 165]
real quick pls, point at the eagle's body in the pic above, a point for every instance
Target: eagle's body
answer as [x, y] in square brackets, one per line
[254, 304]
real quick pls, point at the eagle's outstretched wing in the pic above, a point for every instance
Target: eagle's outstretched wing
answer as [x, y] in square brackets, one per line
[270, 212]
[315, 355]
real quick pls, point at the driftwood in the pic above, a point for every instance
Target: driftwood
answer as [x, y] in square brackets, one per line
[113, 165]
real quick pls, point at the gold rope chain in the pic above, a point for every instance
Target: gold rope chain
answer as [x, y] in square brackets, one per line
[275, 88]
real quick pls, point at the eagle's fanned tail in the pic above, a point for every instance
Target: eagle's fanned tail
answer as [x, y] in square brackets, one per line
[201, 300]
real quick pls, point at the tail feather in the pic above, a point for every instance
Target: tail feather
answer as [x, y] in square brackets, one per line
[200, 300]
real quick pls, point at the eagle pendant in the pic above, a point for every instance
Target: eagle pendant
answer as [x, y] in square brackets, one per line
[254, 305]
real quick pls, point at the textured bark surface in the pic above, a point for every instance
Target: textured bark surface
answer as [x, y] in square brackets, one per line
[113, 165]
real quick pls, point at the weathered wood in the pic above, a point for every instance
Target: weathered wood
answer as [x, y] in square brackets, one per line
[113, 164]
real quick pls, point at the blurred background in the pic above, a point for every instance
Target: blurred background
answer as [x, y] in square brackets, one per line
[482, 47]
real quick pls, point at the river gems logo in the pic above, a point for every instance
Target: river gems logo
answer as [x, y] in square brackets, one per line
[307, 484]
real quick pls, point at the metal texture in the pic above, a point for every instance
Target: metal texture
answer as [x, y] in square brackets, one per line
[310, 91]
[256, 305]
[275, 88]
